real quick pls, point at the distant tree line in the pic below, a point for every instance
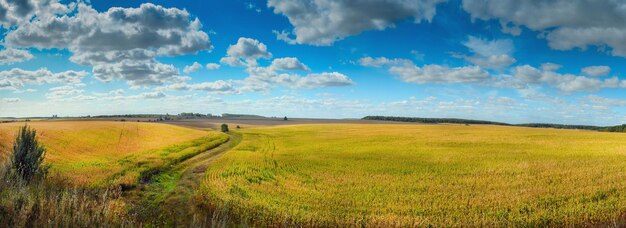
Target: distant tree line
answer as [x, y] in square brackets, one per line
[561, 126]
[618, 128]
[231, 115]
[431, 120]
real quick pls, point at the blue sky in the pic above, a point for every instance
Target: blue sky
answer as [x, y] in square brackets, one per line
[499, 60]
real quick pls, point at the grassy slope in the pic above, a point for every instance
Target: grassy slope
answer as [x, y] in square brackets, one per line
[90, 152]
[421, 174]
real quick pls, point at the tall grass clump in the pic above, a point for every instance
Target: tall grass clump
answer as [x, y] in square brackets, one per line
[26, 158]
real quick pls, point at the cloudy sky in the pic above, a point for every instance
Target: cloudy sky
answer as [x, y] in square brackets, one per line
[559, 61]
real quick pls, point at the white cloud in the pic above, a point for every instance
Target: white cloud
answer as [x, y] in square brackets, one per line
[17, 78]
[313, 81]
[11, 99]
[192, 68]
[491, 62]
[212, 66]
[381, 61]
[439, 74]
[232, 61]
[550, 66]
[120, 43]
[245, 53]
[263, 78]
[322, 22]
[288, 63]
[15, 13]
[492, 54]
[485, 47]
[407, 71]
[247, 48]
[524, 75]
[152, 95]
[608, 102]
[11, 55]
[596, 71]
[219, 86]
[61, 92]
[567, 24]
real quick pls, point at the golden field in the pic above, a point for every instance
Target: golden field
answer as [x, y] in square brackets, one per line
[95, 152]
[418, 175]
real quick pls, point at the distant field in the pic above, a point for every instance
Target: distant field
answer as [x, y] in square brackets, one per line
[96, 152]
[404, 175]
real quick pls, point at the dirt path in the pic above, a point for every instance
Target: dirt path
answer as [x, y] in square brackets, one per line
[168, 198]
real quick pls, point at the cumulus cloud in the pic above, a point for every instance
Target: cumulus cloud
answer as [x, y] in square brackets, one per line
[14, 13]
[61, 92]
[326, 79]
[521, 78]
[322, 22]
[219, 86]
[381, 61]
[568, 24]
[485, 47]
[152, 95]
[439, 74]
[407, 71]
[491, 54]
[17, 78]
[246, 49]
[596, 71]
[526, 74]
[212, 66]
[288, 63]
[120, 43]
[603, 101]
[491, 62]
[11, 55]
[263, 78]
[11, 99]
[192, 68]
[550, 66]
[245, 53]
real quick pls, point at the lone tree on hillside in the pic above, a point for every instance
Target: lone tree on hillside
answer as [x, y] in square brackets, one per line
[26, 159]
[285, 118]
[224, 127]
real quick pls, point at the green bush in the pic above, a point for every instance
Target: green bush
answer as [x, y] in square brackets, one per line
[224, 127]
[26, 158]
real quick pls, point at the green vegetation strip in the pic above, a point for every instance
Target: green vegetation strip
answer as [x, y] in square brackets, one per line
[141, 169]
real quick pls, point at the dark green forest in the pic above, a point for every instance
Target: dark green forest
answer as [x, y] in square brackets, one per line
[618, 128]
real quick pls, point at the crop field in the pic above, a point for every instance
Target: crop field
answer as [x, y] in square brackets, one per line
[417, 175]
[106, 152]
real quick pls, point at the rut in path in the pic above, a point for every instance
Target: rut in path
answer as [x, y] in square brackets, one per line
[167, 199]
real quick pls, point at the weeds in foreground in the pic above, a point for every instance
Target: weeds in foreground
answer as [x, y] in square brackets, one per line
[52, 202]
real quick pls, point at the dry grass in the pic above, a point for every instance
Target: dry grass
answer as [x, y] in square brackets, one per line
[417, 175]
[89, 152]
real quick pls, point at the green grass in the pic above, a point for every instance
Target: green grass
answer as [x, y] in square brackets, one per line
[145, 165]
[408, 175]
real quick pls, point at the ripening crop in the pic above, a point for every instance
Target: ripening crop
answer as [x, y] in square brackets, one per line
[105, 152]
[418, 175]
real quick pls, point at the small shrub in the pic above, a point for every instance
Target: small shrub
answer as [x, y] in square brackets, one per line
[26, 159]
[224, 127]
